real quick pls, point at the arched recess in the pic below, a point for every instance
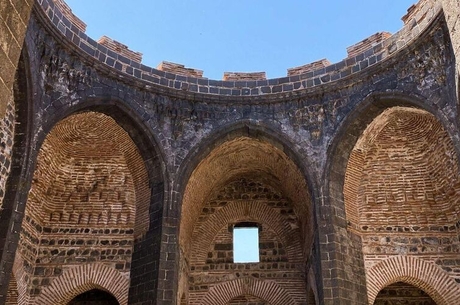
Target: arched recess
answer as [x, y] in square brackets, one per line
[94, 296]
[402, 173]
[424, 275]
[254, 176]
[83, 278]
[148, 142]
[354, 126]
[15, 151]
[247, 211]
[268, 291]
[90, 197]
[394, 145]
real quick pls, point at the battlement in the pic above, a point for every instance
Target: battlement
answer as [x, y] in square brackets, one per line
[244, 76]
[120, 48]
[319, 64]
[416, 12]
[67, 12]
[367, 43]
[366, 53]
[179, 69]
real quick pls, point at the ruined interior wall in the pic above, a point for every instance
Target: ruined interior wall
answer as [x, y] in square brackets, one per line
[401, 190]
[280, 255]
[245, 180]
[83, 200]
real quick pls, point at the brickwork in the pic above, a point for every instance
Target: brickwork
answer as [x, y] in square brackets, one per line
[14, 17]
[129, 180]
[244, 76]
[83, 207]
[367, 43]
[247, 195]
[317, 65]
[426, 276]
[12, 295]
[77, 280]
[120, 48]
[179, 69]
[67, 12]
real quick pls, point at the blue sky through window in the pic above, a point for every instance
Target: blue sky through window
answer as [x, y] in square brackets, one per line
[245, 245]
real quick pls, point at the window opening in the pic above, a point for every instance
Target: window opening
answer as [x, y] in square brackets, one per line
[246, 243]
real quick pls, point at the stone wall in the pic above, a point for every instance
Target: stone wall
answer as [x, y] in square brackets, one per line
[14, 17]
[137, 176]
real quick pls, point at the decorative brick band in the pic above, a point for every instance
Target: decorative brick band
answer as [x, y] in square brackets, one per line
[268, 291]
[84, 278]
[424, 275]
[244, 210]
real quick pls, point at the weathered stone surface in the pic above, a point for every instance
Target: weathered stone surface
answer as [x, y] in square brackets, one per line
[129, 179]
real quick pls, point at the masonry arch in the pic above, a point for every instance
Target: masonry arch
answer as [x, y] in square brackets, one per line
[83, 278]
[244, 177]
[91, 194]
[353, 127]
[15, 151]
[94, 296]
[421, 274]
[395, 178]
[268, 291]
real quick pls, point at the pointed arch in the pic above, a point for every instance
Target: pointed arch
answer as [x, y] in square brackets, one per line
[421, 274]
[80, 279]
[259, 134]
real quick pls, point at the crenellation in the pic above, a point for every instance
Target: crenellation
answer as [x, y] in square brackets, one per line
[179, 69]
[125, 183]
[120, 48]
[310, 67]
[244, 76]
[367, 44]
[67, 12]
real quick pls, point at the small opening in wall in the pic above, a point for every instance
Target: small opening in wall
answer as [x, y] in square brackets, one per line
[246, 242]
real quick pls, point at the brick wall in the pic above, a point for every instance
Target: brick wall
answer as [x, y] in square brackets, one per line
[12, 295]
[247, 194]
[401, 190]
[89, 184]
[179, 69]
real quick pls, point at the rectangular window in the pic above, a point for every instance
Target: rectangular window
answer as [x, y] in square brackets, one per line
[245, 243]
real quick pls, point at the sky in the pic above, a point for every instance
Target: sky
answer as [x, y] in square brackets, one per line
[239, 35]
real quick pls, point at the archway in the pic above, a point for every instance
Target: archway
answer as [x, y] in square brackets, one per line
[88, 201]
[15, 151]
[78, 280]
[94, 297]
[401, 189]
[403, 293]
[410, 270]
[245, 180]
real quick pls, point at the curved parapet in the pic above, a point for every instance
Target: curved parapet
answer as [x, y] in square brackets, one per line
[362, 56]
